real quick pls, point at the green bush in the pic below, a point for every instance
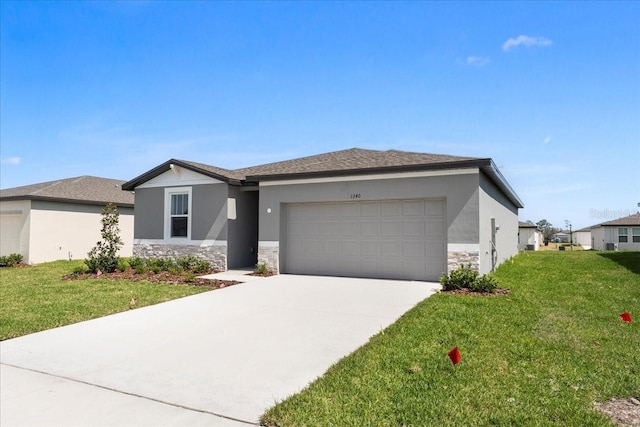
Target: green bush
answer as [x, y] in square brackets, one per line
[262, 268]
[485, 283]
[140, 269]
[104, 255]
[466, 277]
[123, 265]
[461, 277]
[10, 260]
[160, 264]
[135, 262]
[79, 270]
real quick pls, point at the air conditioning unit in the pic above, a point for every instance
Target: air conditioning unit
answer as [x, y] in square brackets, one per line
[530, 248]
[610, 246]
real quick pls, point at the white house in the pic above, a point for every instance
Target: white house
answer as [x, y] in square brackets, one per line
[529, 237]
[619, 234]
[582, 237]
[61, 219]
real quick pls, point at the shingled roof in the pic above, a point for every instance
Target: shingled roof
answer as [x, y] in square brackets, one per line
[633, 219]
[354, 161]
[83, 189]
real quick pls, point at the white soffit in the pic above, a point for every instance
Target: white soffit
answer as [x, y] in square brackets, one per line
[179, 176]
[398, 175]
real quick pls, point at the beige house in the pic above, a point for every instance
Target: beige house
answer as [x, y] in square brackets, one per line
[529, 237]
[61, 219]
[618, 234]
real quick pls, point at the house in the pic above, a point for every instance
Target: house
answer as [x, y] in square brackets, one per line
[356, 212]
[529, 237]
[560, 237]
[61, 219]
[582, 237]
[618, 234]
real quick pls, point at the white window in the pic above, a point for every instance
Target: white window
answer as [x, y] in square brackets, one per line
[623, 235]
[636, 235]
[177, 222]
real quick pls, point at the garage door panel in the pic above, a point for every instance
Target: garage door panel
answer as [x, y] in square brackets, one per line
[413, 208]
[403, 239]
[413, 249]
[414, 229]
[391, 228]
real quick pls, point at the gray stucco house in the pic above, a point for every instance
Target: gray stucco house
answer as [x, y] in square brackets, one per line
[355, 212]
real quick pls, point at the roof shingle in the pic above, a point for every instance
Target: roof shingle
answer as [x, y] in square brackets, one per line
[83, 189]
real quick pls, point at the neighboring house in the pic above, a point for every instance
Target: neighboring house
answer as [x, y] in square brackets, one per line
[356, 212]
[61, 219]
[619, 234]
[529, 237]
[582, 237]
[560, 237]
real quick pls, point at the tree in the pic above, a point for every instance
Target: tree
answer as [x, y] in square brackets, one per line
[547, 230]
[104, 255]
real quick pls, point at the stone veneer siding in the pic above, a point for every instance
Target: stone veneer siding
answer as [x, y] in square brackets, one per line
[269, 254]
[457, 258]
[215, 254]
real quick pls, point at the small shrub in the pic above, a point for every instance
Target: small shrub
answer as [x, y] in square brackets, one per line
[190, 277]
[485, 283]
[461, 277]
[10, 260]
[140, 269]
[160, 264]
[123, 265]
[103, 256]
[135, 262]
[262, 268]
[194, 264]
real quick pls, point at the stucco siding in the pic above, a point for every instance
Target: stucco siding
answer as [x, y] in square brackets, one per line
[69, 231]
[494, 204]
[149, 213]
[15, 218]
[209, 212]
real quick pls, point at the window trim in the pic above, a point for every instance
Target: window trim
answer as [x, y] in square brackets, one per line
[168, 192]
[623, 235]
[635, 234]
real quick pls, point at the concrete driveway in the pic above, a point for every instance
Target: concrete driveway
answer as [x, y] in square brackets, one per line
[218, 358]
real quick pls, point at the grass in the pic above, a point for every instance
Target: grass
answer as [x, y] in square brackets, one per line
[35, 298]
[539, 356]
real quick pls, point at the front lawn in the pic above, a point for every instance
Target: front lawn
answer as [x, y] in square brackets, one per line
[35, 298]
[540, 355]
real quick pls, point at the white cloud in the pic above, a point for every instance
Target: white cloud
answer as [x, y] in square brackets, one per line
[547, 140]
[477, 61]
[11, 161]
[527, 41]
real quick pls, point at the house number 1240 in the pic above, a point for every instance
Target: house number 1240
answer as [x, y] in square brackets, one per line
[356, 195]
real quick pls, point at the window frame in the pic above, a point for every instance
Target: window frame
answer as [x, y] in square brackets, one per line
[635, 234]
[623, 235]
[168, 216]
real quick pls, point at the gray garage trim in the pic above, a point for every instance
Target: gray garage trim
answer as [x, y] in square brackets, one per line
[391, 239]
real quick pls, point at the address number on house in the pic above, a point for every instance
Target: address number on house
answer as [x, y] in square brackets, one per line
[355, 196]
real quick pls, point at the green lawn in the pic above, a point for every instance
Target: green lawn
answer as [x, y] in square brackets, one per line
[36, 298]
[541, 355]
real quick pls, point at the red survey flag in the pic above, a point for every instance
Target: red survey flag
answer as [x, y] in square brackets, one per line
[626, 316]
[455, 355]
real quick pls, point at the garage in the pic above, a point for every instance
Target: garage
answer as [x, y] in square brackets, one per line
[10, 226]
[392, 239]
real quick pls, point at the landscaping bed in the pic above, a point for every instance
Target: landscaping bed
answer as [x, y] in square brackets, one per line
[165, 277]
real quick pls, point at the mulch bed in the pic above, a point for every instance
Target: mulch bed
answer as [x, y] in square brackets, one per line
[624, 412]
[467, 291]
[164, 277]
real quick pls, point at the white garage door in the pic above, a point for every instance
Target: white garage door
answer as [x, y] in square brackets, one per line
[399, 239]
[10, 234]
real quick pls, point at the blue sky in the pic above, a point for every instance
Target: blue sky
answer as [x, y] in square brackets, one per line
[549, 90]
